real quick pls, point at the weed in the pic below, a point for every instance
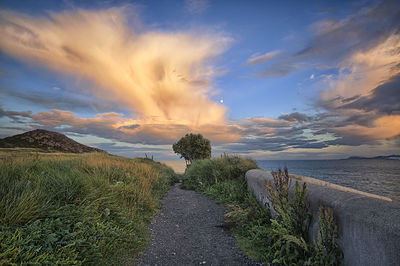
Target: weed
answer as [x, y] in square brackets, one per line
[326, 250]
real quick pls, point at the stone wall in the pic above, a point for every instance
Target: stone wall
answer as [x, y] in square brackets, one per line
[368, 225]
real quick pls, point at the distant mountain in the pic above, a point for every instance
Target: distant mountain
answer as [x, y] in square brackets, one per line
[46, 140]
[389, 157]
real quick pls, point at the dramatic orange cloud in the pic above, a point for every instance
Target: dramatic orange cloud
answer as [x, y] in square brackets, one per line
[360, 75]
[164, 77]
[386, 127]
[116, 126]
[365, 70]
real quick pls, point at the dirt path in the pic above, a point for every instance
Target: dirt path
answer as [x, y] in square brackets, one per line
[188, 231]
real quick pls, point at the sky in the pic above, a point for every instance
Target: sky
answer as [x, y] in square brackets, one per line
[264, 79]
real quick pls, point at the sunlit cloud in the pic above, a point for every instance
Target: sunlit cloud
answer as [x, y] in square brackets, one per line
[159, 84]
[357, 105]
[363, 71]
[386, 127]
[165, 77]
[365, 93]
[117, 127]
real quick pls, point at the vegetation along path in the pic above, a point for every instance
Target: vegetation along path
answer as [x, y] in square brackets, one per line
[189, 231]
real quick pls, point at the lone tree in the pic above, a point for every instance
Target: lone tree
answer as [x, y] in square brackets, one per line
[193, 147]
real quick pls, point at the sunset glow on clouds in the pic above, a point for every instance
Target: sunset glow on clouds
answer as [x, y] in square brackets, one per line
[150, 85]
[163, 77]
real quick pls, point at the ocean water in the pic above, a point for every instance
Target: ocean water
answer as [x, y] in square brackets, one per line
[377, 176]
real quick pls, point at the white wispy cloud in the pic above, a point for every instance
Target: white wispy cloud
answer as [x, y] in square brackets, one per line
[258, 59]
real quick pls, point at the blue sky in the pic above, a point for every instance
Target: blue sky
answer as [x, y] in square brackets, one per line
[271, 80]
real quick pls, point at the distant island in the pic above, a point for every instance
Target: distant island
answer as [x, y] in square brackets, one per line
[45, 140]
[388, 157]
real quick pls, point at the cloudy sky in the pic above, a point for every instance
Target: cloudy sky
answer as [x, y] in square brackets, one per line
[267, 79]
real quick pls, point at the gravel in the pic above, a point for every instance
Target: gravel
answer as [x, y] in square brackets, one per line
[189, 231]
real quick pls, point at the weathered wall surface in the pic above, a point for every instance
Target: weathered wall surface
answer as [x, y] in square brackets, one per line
[369, 225]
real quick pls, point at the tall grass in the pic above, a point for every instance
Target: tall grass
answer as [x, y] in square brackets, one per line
[92, 208]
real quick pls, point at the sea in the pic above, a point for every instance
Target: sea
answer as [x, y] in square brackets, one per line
[377, 176]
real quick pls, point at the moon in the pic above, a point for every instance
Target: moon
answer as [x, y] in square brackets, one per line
[221, 101]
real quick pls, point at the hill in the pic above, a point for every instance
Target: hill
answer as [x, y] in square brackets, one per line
[389, 157]
[46, 140]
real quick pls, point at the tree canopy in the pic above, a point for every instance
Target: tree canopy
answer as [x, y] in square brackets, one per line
[193, 147]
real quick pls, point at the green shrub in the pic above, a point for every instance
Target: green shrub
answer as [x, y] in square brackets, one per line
[281, 240]
[229, 191]
[203, 173]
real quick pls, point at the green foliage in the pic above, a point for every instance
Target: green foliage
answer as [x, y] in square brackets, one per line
[292, 213]
[193, 147]
[77, 209]
[326, 250]
[281, 240]
[203, 173]
[290, 226]
[36, 245]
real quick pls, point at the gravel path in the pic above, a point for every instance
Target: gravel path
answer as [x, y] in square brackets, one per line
[188, 231]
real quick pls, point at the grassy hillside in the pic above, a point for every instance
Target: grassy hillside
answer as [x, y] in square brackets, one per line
[45, 140]
[58, 208]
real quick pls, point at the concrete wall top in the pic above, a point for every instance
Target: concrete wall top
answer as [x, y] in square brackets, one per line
[368, 225]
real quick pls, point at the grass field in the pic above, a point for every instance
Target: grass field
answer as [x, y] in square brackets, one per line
[61, 208]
